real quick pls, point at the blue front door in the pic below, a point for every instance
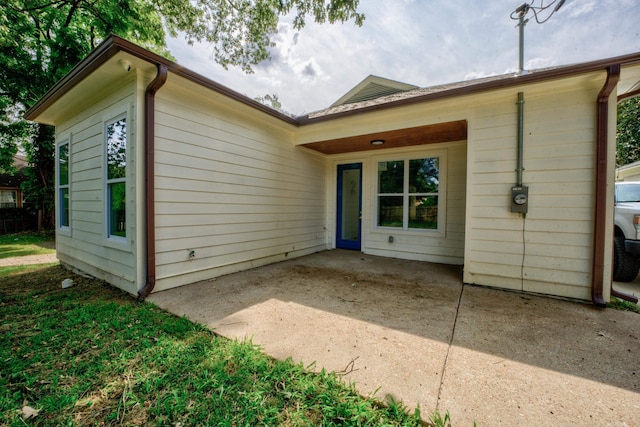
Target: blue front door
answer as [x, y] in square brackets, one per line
[349, 224]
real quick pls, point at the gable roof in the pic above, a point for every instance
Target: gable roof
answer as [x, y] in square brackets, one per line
[20, 162]
[629, 84]
[405, 95]
[14, 180]
[629, 166]
[373, 87]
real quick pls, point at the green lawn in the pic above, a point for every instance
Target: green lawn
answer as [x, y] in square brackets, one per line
[19, 269]
[22, 244]
[92, 355]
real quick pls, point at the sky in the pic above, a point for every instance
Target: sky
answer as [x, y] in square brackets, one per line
[421, 42]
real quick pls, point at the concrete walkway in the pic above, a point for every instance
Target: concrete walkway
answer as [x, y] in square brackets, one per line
[629, 288]
[412, 330]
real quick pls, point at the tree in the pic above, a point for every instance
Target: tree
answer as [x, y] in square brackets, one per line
[628, 132]
[12, 131]
[270, 101]
[41, 40]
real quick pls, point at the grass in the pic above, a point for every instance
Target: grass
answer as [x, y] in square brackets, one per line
[620, 304]
[14, 245]
[92, 355]
[19, 269]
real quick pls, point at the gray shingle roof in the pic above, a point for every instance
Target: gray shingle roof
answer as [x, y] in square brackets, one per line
[399, 96]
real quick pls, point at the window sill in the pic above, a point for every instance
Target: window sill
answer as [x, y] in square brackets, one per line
[64, 231]
[408, 232]
[119, 243]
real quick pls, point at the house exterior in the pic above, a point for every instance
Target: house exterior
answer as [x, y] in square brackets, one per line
[166, 178]
[630, 172]
[14, 217]
[10, 191]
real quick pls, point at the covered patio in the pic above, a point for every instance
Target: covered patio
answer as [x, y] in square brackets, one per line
[414, 331]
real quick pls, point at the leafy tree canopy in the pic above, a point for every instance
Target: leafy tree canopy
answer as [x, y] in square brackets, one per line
[41, 40]
[270, 101]
[628, 132]
[12, 132]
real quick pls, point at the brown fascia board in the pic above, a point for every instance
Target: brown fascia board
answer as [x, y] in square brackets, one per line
[93, 61]
[114, 44]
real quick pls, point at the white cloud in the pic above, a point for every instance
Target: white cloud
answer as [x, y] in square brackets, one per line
[422, 43]
[576, 9]
[537, 63]
[478, 75]
[311, 71]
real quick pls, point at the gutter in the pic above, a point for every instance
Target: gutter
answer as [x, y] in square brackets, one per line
[600, 223]
[150, 137]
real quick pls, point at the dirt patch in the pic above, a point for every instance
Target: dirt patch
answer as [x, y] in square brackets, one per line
[49, 244]
[29, 260]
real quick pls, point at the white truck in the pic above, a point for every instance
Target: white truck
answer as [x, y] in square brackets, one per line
[626, 240]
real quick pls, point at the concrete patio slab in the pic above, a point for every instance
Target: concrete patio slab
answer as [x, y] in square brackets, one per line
[518, 359]
[629, 288]
[412, 330]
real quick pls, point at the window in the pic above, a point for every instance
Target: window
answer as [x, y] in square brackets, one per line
[408, 192]
[116, 133]
[63, 185]
[8, 199]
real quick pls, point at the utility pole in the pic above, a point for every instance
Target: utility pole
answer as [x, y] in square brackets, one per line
[520, 14]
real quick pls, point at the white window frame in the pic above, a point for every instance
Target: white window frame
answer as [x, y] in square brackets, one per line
[119, 240]
[60, 187]
[442, 192]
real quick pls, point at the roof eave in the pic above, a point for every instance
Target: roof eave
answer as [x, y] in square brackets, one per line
[114, 44]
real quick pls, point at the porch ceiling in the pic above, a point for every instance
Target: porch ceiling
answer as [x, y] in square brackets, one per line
[429, 134]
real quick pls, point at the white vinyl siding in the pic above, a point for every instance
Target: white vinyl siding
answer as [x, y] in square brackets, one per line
[231, 189]
[445, 245]
[234, 191]
[87, 249]
[550, 250]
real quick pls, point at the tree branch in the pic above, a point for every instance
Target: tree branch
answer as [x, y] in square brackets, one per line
[42, 6]
[91, 9]
[72, 10]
